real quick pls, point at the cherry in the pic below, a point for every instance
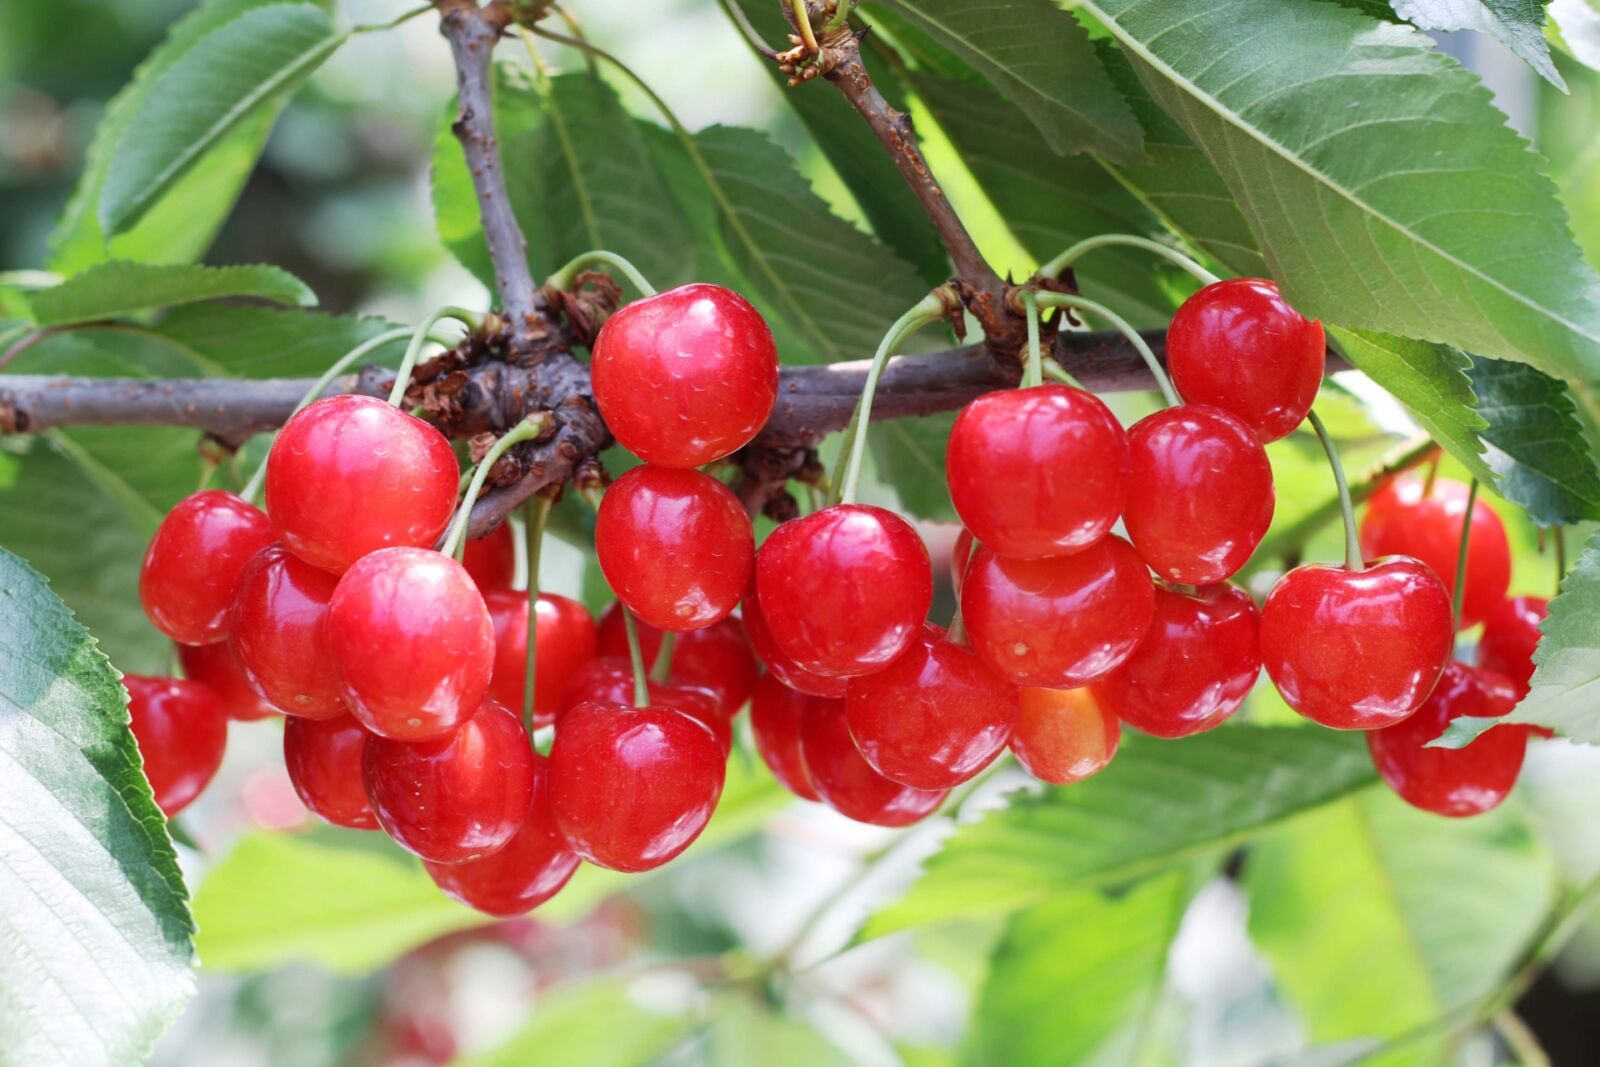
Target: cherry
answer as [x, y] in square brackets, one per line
[686, 376]
[934, 717]
[846, 782]
[610, 681]
[1063, 735]
[1404, 518]
[565, 640]
[1510, 634]
[193, 564]
[776, 712]
[844, 590]
[529, 870]
[1239, 346]
[675, 545]
[215, 667]
[632, 787]
[323, 757]
[492, 560]
[1062, 622]
[181, 731]
[1037, 472]
[1204, 494]
[1356, 650]
[960, 560]
[413, 641]
[456, 797]
[1455, 782]
[277, 635]
[780, 664]
[349, 475]
[717, 658]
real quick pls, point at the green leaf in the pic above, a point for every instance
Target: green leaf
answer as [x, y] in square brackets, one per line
[908, 454]
[596, 1025]
[112, 289]
[1382, 185]
[1535, 443]
[205, 94]
[743, 1034]
[263, 342]
[1580, 29]
[97, 934]
[1565, 690]
[1517, 24]
[1158, 804]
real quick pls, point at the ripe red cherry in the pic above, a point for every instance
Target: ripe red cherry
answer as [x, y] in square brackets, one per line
[1510, 634]
[193, 564]
[565, 640]
[277, 635]
[529, 870]
[492, 560]
[776, 712]
[717, 659]
[686, 376]
[610, 681]
[675, 545]
[846, 782]
[1456, 782]
[778, 661]
[323, 757]
[1037, 472]
[934, 717]
[1203, 494]
[1402, 521]
[1356, 650]
[349, 475]
[844, 590]
[182, 732]
[1058, 623]
[456, 797]
[214, 667]
[633, 787]
[1063, 735]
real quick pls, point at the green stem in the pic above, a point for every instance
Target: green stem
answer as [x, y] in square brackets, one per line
[526, 430]
[802, 23]
[1460, 593]
[1118, 323]
[377, 27]
[1057, 373]
[840, 16]
[1352, 543]
[1561, 555]
[1520, 1039]
[1033, 373]
[420, 338]
[563, 278]
[661, 669]
[641, 681]
[535, 511]
[1054, 268]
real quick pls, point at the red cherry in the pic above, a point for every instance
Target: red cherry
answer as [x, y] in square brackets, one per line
[633, 787]
[194, 561]
[182, 732]
[686, 376]
[1456, 782]
[1402, 521]
[1062, 622]
[1356, 650]
[214, 667]
[846, 781]
[349, 475]
[323, 757]
[610, 681]
[934, 717]
[277, 635]
[1510, 634]
[778, 662]
[717, 659]
[1037, 472]
[529, 870]
[413, 641]
[1239, 346]
[1063, 735]
[492, 560]
[776, 712]
[844, 590]
[565, 640]
[960, 560]
[1204, 495]
[456, 797]
[675, 545]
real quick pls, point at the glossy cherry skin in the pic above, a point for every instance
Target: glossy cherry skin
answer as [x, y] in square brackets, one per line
[686, 376]
[844, 590]
[846, 782]
[1510, 634]
[1058, 623]
[1454, 782]
[934, 717]
[776, 712]
[194, 561]
[277, 635]
[182, 731]
[1037, 472]
[529, 870]
[1195, 666]
[564, 639]
[675, 545]
[1401, 521]
[349, 475]
[1063, 735]
[1203, 494]
[413, 641]
[323, 758]
[456, 797]
[717, 659]
[492, 560]
[633, 787]
[1356, 650]
[214, 667]
[610, 681]
[779, 662]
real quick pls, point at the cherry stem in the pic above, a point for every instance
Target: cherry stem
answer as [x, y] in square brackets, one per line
[1118, 323]
[564, 277]
[1353, 561]
[1459, 595]
[802, 23]
[1057, 373]
[641, 681]
[1033, 373]
[1431, 477]
[402, 377]
[1054, 268]
[840, 16]
[530, 427]
[1561, 555]
[661, 669]
[535, 511]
